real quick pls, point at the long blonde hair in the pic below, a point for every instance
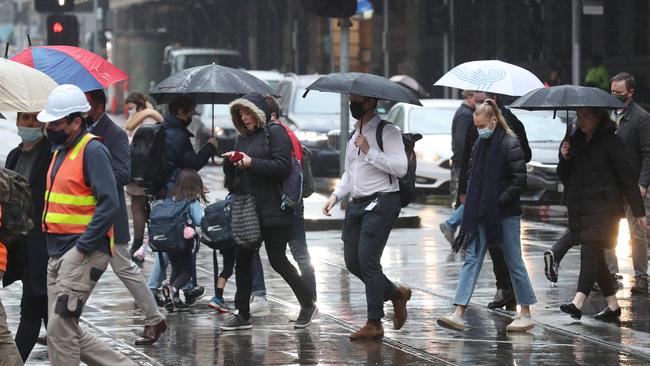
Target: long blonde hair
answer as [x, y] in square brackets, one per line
[490, 107]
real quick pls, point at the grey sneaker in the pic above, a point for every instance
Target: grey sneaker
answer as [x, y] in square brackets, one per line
[236, 322]
[305, 317]
[521, 324]
[640, 285]
[452, 321]
[448, 232]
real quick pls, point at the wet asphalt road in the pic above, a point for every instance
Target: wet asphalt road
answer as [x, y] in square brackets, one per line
[419, 258]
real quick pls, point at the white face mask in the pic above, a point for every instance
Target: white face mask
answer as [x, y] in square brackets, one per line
[131, 111]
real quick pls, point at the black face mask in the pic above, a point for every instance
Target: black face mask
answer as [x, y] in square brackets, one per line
[357, 110]
[57, 137]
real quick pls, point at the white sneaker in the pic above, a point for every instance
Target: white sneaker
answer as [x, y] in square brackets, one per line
[259, 306]
[453, 321]
[521, 324]
[293, 316]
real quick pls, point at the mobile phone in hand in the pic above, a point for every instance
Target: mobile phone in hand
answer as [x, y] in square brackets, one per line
[237, 156]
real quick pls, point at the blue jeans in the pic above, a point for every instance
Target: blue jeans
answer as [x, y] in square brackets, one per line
[258, 288]
[456, 218]
[300, 252]
[512, 252]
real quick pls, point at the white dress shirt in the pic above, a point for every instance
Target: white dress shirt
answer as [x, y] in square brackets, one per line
[367, 174]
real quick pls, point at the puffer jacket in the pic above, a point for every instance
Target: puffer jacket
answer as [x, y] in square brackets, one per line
[271, 162]
[597, 175]
[512, 180]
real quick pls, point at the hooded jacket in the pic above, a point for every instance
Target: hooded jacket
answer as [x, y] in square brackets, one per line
[269, 147]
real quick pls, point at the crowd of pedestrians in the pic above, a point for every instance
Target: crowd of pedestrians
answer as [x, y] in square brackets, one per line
[77, 162]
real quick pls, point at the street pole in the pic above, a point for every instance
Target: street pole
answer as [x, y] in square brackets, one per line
[384, 41]
[345, 25]
[96, 22]
[446, 57]
[576, 10]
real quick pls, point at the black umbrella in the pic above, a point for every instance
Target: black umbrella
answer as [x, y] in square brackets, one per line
[567, 97]
[209, 84]
[367, 85]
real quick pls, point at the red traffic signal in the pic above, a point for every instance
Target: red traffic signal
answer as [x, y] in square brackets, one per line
[62, 29]
[57, 27]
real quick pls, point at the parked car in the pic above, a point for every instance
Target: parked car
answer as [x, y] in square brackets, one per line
[271, 77]
[311, 118]
[545, 134]
[432, 120]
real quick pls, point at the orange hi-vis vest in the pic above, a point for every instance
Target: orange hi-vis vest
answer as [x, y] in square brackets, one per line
[69, 202]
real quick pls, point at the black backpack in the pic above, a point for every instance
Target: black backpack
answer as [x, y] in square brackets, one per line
[167, 221]
[15, 205]
[407, 190]
[307, 175]
[148, 158]
[215, 226]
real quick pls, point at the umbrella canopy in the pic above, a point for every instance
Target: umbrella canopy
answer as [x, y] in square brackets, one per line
[367, 85]
[567, 97]
[72, 65]
[209, 84]
[23, 89]
[491, 76]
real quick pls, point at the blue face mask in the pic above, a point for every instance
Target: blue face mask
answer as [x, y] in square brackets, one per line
[484, 133]
[30, 134]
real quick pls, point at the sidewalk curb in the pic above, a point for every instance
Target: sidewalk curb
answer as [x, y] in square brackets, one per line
[402, 222]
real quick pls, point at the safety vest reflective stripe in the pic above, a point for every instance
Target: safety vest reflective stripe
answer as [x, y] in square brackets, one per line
[57, 218]
[69, 199]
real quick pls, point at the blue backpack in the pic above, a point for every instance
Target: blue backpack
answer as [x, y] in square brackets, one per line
[167, 220]
[215, 226]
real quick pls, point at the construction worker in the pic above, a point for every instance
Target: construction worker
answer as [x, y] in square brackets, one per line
[81, 202]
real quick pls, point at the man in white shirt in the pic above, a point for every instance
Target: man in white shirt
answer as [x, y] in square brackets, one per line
[371, 178]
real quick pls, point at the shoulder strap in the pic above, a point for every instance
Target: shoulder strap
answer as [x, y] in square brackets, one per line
[379, 134]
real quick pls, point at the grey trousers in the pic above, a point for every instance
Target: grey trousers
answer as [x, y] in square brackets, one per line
[9, 355]
[135, 282]
[70, 281]
[639, 239]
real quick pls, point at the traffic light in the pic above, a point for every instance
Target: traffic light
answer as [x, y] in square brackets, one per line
[53, 6]
[62, 30]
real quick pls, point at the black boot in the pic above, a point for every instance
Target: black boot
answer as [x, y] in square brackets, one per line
[502, 298]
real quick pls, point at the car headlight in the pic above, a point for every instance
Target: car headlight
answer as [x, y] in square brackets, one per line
[427, 156]
[218, 131]
[312, 136]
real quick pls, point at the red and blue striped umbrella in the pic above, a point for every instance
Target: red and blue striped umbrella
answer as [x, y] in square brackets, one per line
[72, 65]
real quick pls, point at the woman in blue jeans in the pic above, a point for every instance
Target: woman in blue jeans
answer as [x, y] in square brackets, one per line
[492, 213]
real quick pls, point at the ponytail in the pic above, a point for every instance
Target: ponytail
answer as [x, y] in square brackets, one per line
[492, 109]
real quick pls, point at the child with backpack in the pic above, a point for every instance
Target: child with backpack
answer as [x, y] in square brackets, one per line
[189, 190]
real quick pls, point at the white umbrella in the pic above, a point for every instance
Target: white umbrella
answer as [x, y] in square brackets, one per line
[491, 76]
[22, 88]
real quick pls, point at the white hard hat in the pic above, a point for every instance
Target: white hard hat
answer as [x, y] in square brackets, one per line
[62, 101]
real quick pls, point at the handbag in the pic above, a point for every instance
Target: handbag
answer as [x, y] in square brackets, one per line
[245, 223]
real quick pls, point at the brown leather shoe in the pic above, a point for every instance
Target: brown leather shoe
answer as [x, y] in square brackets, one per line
[401, 297]
[372, 330]
[42, 340]
[151, 334]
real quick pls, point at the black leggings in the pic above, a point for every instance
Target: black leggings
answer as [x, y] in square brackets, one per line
[593, 268]
[228, 256]
[33, 313]
[275, 240]
[181, 268]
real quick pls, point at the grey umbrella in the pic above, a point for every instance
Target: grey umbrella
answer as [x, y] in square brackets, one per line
[1, 116]
[567, 97]
[367, 85]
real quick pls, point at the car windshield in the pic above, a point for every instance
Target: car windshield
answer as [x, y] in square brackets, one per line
[220, 110]
[317, 103]
[431, 120]
[542, 127]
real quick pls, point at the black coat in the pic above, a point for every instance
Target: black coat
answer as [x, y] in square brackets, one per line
[28, 258]
[634, 129]
[270, 165]
[179, 153]
[472, 134]
[117, 143]
[597, 175]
